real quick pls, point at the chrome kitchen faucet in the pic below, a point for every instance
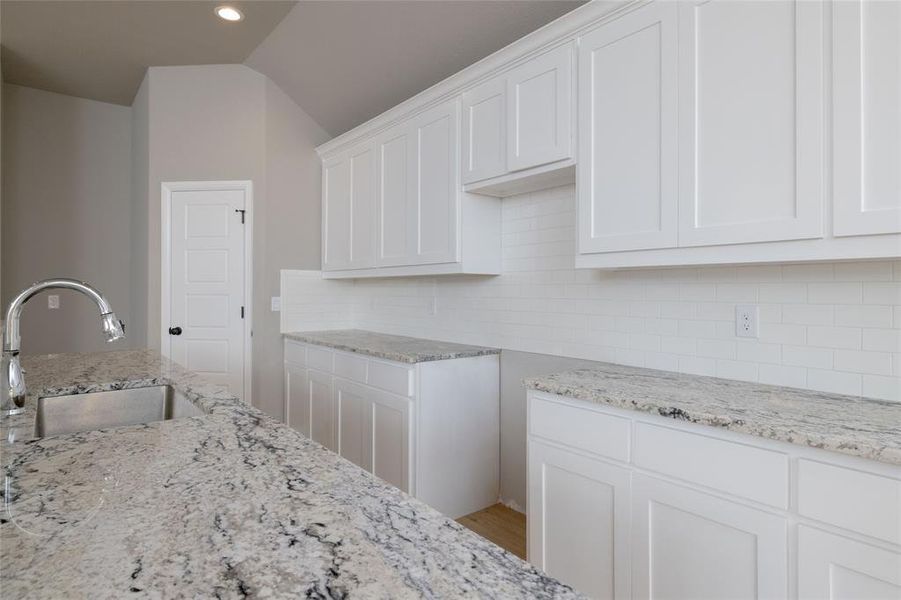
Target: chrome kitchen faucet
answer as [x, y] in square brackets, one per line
[13, 385]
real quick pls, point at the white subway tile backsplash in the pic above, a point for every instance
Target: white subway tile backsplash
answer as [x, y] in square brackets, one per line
[833, 327]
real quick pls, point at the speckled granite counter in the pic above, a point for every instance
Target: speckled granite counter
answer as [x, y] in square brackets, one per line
[230, 504]
[857, 426]
[390, 347]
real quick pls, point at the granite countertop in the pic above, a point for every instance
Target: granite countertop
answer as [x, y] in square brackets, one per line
[390, 347]
[848, 424]
[229, 504]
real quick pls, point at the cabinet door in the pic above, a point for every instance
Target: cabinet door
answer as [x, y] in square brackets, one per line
[866, 117]
[391, 438]
[485, 131]
[353, 423]
[362, 206]
[628, 174]
[336, 211]
[395, 203]
[435, 212]
[539, 110]
[322, 409]
[297, 399]
[579, 521]
[831, 566]
[687, 544]
[751, 121]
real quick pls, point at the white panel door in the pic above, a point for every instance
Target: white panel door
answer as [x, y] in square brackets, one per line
[838, 568]
[751, 121]
[362, 206]
[297, 399]
[435, 214]
[322, 409]
[206, 284]
[866, 117]
[579, 527]
[395, 204]
[539, 110]
[390, 438]
[687, 544]
[336, 213]
[485, 131]
[628, 175]
[353, 423]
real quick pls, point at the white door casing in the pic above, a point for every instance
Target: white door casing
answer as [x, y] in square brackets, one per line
[206, 280]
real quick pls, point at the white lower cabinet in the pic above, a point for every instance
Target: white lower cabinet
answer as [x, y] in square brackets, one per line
[838, 568]
[649, 507]
[687, 544]
[431, 429]
[582, 502]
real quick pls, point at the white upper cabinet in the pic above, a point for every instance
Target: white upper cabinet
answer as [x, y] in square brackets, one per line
[434, 215]
[751, 123]
[627, 147]
[347, 207]
[866, 112]
[485, 131]
[539, 109]
[395, 203]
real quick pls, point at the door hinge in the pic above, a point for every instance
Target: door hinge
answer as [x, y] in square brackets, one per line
[242, 312]
[242, 211]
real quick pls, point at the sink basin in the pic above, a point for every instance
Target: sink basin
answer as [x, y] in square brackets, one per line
[57, 415]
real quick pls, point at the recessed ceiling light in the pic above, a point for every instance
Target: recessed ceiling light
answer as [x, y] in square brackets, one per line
[229, 13]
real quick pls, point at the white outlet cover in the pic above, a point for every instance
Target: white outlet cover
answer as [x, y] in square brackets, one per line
[53, 301]
[747, 321]
[276, 303]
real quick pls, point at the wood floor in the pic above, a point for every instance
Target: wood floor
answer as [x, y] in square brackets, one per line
[501, 525]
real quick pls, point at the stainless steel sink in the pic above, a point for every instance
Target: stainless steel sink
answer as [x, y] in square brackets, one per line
[57, 415]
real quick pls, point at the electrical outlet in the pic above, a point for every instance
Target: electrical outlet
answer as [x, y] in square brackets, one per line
[275, 303]
[747, 321]
[53, 301]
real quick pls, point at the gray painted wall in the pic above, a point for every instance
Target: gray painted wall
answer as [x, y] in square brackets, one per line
[516, 366]
[66, 209]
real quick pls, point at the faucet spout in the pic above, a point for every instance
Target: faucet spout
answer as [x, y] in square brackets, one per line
[13, 390]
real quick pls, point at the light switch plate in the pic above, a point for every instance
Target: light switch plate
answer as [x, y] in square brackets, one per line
[747, 320]
[53, 301]
[276, 303]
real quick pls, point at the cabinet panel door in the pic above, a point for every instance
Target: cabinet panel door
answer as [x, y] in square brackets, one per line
[687, 544]
[362, 207]
[831, 566]
[628, 177]
[336, 210]
[539, 110]
[322, 409]
[485, 131]
[353, 425]
[751, 121]
[391, 437]
[866, 117]
[435, 213]
[297, 399]
[394, 193]
[579, 521]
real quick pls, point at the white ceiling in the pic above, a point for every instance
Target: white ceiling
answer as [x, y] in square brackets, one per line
[345, 62]
[100, 49]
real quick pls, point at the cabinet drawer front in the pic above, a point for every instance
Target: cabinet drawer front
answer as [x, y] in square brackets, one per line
[862, 502]
[350, 366]
[753, 473]
[319, 359]
[582, 428]
[295, 352]
[393, 378]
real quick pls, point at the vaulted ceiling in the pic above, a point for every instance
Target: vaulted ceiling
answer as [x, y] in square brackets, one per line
[342, 61]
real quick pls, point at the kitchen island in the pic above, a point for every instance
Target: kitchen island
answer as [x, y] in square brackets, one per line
[229, 504]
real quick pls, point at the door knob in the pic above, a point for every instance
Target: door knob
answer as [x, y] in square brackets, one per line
[175, 331]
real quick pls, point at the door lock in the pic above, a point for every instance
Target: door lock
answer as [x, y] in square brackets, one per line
[175, 331]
